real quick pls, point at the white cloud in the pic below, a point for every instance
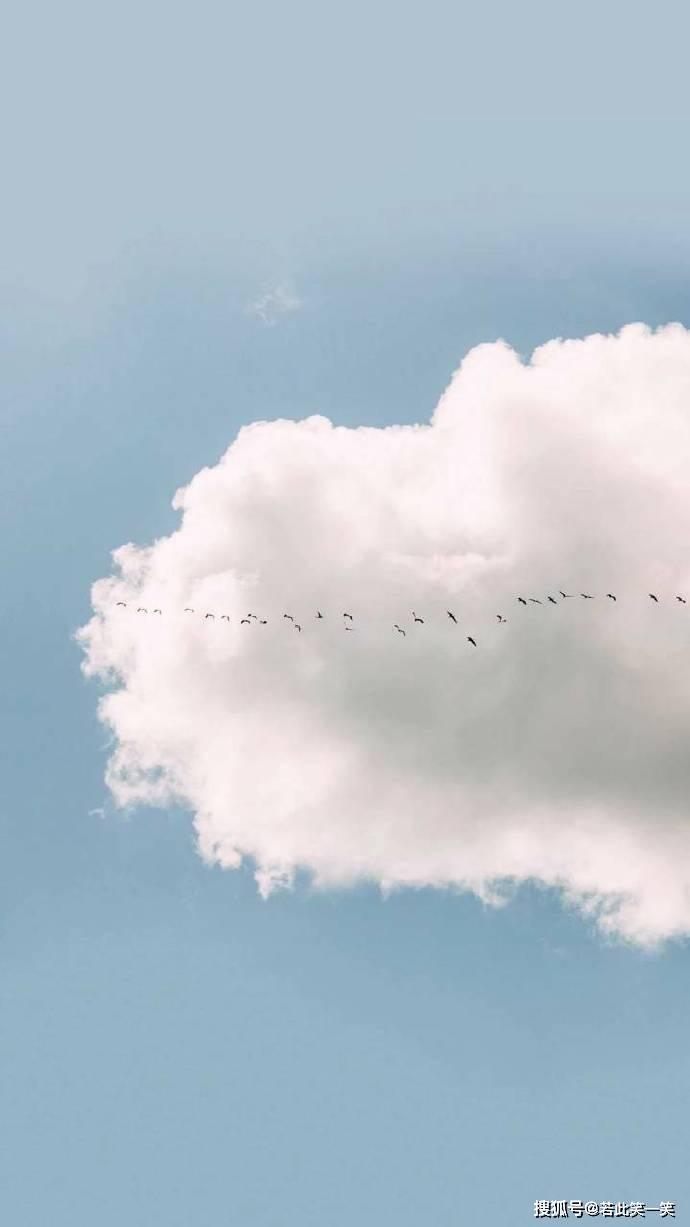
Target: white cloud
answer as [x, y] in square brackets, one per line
[270, 307]
[555, 751]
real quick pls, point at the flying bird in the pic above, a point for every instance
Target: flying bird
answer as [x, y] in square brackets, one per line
[297, 626]
[587, 596]
[553, 600]
[522, 600]
[500, 617]
[416, 618]
[125, 603]
[566, 595]
[157, 611]
[289, 616]
[245, 620]
[188, 610]
[451, 616]
[209, 616]
[534, 600]
[319, 614]
[262, 622]
[654, 598]
[678, 598]
[142, 610]
[471, 640]
[610, 596]
[345, 615]
[398, 628]
[225, 617]
[254, 616]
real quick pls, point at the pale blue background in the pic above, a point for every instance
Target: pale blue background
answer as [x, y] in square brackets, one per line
[174, 1050]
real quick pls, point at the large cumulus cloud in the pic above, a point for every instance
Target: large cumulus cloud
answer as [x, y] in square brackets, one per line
[555, 751]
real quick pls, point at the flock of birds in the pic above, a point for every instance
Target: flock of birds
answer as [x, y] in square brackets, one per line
[348, 625]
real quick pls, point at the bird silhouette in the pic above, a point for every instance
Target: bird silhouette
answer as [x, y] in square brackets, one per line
[346, 615]
[297, 626]
[654, 598]
[188, 610]
[244, 621]
[210, 616]
[262, 621]
[451, 616]
[225, 617]
[142, 610]
[289, 616]
[125, 603]
[566, 595]
[610, 596]
[552, 599]
[319, 614]
[587, 596]
[500, 617]
[158, 611]
[398, 628]
[678, 598]
[254, 616]
[416, 618]
[348, 628]
[522, 600]
[471, 640]
[534, 600]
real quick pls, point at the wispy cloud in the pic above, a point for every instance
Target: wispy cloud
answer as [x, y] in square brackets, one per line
[555, 751]
[271, 307]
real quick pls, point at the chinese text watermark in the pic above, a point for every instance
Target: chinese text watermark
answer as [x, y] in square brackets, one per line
[607, 1209]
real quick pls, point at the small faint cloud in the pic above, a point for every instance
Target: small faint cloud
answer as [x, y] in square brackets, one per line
[272, 306]
[558, 952]
[99, 812]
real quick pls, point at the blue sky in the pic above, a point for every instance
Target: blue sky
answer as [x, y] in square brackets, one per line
[176, 1050]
